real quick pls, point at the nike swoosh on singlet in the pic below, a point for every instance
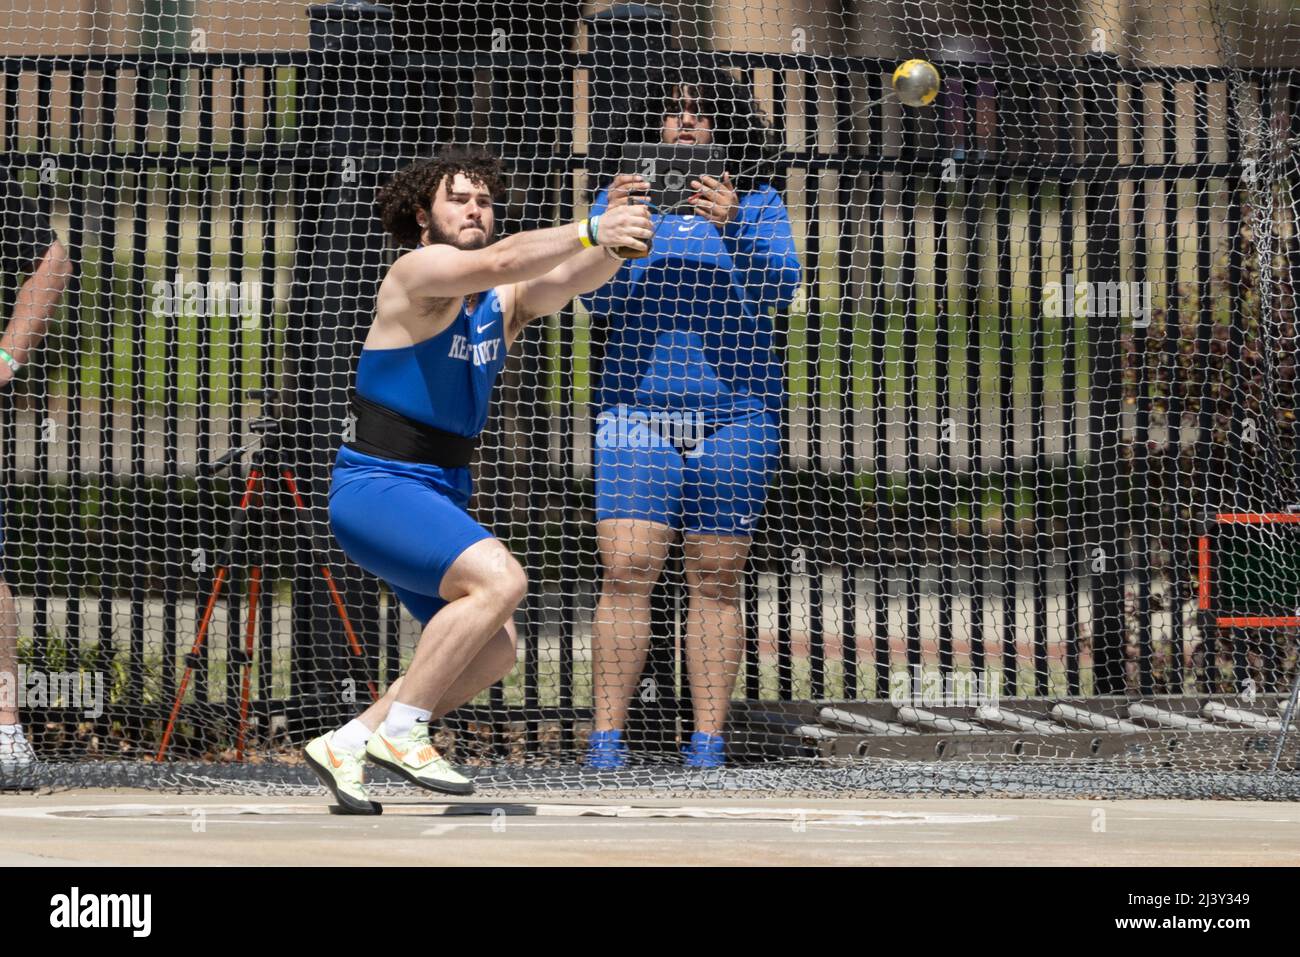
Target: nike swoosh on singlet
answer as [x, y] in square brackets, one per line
[487, 325]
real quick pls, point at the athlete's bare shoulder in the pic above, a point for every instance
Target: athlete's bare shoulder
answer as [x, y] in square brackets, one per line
[403, 319]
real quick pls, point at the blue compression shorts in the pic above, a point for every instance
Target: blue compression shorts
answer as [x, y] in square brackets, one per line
[403, 522]
[708, 481]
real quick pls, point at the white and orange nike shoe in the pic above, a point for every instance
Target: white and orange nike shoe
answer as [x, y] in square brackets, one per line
[342, 771]
[414, 757]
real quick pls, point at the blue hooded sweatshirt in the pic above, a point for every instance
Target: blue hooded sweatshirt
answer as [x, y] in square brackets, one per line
[690, 326]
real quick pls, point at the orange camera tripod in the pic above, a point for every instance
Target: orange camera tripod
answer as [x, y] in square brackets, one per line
[261, 471]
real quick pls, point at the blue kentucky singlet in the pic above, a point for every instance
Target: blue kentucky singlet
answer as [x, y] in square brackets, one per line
[445, 381]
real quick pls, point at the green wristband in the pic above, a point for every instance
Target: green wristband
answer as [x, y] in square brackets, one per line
[9, 360]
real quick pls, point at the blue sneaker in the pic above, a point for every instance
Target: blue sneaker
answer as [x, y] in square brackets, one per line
[705, 751]
[606, 750]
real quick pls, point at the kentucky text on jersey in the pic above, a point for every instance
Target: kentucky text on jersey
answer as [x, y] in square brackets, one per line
[481, 353]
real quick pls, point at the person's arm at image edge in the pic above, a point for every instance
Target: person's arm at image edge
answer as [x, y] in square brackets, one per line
[37, 301]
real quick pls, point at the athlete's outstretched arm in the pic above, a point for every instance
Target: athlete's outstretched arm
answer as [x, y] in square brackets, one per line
[583, 273]
[442, 272]
[548, 294]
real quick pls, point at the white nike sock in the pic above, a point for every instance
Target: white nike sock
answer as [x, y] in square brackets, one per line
[11, 729]
[351, 737]
[402, 717]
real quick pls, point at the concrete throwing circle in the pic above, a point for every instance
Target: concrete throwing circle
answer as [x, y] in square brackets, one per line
[493, 809]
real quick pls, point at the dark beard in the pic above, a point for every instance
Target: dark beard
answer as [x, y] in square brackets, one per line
[437, 237]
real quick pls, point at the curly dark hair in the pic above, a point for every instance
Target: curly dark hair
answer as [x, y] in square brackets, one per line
[414, 187]
[739, 125]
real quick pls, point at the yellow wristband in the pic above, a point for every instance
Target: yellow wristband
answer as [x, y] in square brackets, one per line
[584, 233]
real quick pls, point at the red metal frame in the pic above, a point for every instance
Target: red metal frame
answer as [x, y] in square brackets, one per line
[1203, 570]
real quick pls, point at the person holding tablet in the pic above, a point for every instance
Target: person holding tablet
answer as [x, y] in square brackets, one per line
[687, 436]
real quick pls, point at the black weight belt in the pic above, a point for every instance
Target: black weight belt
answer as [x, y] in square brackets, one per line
[387, 434]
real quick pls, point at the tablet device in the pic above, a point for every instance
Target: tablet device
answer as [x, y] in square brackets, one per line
[670, 169]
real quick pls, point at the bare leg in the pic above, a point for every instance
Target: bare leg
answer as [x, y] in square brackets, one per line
[483, 588]
[715, 637]
[633, 553]
[8, 652]
[493, 662]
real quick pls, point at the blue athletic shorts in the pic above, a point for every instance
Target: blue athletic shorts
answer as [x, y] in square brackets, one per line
[403, 522]
[705, 479]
